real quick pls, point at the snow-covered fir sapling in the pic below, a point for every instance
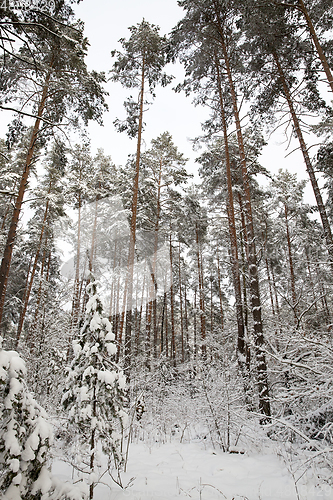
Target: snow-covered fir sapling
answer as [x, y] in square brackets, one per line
[96, 390]
[25, 435]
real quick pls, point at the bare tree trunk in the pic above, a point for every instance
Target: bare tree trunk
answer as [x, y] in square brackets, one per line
[166, 327]
[211, 305]
[270, 286]
[92, 447]
[277, 306]
[312, 286]
[8, 208]
[243, 239]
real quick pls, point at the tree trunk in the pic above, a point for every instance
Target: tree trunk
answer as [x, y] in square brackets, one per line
[315, 187]
[312, 286]
[201, 294]
[186, 325]
[243, 239]
[211, 305]
[153, 286]
[242, 350]
[166, 327]
[291, 264]
[172, 306]
[264, 400]
[128, 296]
[40, 288]
[220, 293]
[195, 344]
[7, 256]
[76, 296]
[317, 44]
[270, 286]
[9, 205]
[92, 446]
[162, 324]
[181, 305]
[277, 306]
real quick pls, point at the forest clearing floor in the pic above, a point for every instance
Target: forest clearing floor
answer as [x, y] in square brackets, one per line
[196, 471]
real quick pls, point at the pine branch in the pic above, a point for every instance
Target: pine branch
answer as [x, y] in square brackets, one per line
[31, 115]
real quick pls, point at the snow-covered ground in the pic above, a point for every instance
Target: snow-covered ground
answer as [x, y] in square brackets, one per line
[194, 471]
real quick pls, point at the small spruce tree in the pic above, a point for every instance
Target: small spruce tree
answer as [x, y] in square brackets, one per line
[96, 388]
[25, 435]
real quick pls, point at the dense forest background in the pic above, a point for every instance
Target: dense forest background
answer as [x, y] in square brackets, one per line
[130, 289]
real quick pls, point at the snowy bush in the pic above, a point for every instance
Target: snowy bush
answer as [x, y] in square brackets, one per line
[25, 435]
[96, 389]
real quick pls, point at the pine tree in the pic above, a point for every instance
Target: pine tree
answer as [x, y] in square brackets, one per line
[96, 387]
[162, 169]
[280, 63]
[81, 189]
[208, 33]
[65, 89]
[140, 64]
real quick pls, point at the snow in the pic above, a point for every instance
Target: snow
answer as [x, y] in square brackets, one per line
[107, 377]
[111, 348]
[92, 303]
[14, 464]
[95, 322]
[43, 483]
[192, 470]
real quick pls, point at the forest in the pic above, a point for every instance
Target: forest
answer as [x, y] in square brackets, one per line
[139, 306]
